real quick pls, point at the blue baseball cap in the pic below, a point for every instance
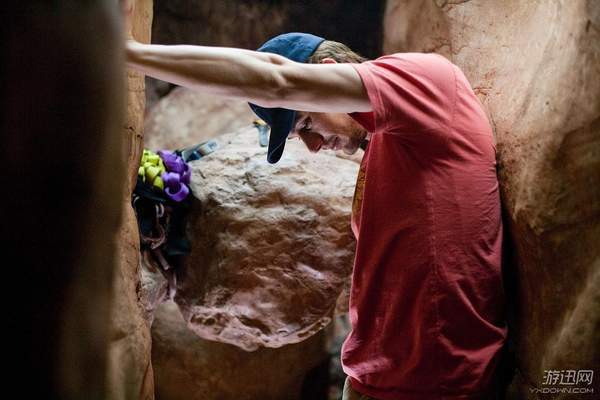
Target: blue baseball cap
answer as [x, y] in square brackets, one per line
[297, 47]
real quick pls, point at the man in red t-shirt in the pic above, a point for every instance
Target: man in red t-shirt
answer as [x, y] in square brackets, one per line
[426, 301]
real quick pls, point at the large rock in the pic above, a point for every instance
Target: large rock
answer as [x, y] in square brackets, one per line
[535, 66]
[185, 117]
[272, 245]
[130, 369]
[188, 367]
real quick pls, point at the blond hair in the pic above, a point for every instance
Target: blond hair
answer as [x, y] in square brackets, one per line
[336, 50]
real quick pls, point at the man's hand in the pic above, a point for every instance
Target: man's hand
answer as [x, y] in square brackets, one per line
[131, 46]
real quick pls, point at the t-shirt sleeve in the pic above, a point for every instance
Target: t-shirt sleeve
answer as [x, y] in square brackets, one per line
[409, 91]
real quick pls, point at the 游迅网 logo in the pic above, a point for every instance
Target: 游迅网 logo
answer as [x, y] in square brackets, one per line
[566, 381]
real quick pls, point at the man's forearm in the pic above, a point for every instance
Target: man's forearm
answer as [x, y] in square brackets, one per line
[214, 70]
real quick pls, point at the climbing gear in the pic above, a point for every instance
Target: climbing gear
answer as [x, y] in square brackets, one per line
[161, 202]
[176, 180]
[151, 168]
[161, 223]
[198, 151]
[263, 132]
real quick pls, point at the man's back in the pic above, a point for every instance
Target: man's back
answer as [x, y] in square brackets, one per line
[426, 304]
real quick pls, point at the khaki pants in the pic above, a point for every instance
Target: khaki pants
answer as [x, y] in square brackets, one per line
[351, 394]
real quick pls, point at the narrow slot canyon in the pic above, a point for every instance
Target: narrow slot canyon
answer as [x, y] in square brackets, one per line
[154, 253]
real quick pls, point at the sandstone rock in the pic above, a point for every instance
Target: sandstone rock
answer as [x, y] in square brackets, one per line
[185, 117]
[188, 367]
[61, 113]
[154, 286]
[272, 245]
[535, 67]
[130, 369]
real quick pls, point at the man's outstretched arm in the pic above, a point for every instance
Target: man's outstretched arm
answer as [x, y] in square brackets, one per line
[266, 79]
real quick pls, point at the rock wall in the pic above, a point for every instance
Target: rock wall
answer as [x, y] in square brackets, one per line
[187, 117]
[130, 369]
[535, 67]
[188, 367]
[62, 107]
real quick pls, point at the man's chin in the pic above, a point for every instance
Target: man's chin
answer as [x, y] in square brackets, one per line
[352, 146]
[350, 149]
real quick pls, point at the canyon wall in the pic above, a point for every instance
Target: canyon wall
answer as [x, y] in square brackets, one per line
[63, 174]
[130, 368]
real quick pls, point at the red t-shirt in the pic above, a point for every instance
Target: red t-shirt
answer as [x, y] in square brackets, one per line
[426, 302]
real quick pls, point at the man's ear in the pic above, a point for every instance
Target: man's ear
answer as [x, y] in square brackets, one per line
[328, 60]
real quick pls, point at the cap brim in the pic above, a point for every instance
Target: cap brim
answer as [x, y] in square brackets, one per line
[281, 121]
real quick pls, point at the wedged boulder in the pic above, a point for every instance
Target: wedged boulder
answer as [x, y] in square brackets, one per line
[185, 117]
[187, 367]
[272, 246]
[535, 66]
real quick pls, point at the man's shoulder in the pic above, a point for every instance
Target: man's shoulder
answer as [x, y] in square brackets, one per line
[408, 61]
[413, 57]
[414, 91]
[431, 67]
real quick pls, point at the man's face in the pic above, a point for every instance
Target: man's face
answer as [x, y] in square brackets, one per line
[328, 131]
